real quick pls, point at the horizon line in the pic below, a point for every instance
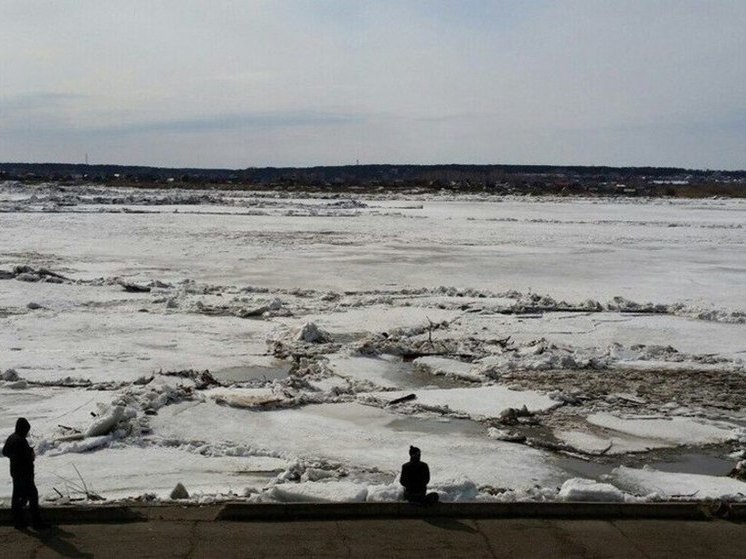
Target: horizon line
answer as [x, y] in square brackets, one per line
[353, 165]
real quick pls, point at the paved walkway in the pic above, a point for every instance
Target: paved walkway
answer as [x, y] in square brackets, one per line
[380, 538]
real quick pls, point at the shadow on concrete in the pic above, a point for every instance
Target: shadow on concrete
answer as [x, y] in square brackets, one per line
[450, 524]
[55, 539]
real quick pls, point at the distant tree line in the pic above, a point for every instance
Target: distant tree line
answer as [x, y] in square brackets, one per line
[500, 179]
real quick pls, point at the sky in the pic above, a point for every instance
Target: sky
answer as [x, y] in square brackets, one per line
[250, 83]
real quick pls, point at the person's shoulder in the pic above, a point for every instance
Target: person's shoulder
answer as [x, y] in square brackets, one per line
[8, 446]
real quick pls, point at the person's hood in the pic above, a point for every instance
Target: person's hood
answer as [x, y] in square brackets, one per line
[22, 426]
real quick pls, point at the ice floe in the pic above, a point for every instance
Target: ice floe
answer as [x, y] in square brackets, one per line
[666, 485]
[588, 490]
[478, 403]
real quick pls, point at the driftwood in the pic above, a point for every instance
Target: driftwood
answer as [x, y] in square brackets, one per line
[81, 487]
[542, 310]
[89, 494]
[406, 398]
[134, 288]
[66, 428]
[63, 383]
[50, 273]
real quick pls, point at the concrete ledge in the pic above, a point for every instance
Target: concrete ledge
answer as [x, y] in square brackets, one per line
[322, 511]
[84, 515]
[737, 511]
[117, 514]
[103, 514]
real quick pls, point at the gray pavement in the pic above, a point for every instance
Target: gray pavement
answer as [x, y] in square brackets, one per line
[426, 537]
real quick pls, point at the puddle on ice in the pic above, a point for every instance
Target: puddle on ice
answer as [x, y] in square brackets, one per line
[405, 375]
[436, 427]
[244, 373]
[696, 464]
[391, 372]
[259, 475]
[702, 464]
[581, 468]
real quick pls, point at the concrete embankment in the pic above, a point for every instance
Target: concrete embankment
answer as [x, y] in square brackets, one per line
[239, 511]
[470, 530]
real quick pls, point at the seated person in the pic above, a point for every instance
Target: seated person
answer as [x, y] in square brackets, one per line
[415, 475]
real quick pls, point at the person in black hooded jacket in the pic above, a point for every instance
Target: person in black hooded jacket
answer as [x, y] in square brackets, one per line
[22, 471]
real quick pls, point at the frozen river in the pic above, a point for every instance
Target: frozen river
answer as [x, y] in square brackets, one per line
[660, 251]
[618, 324]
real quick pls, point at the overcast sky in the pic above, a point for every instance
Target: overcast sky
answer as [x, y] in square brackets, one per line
[325, 82]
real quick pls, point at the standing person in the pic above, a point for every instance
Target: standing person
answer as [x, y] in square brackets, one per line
[415, 475]
[22, 471]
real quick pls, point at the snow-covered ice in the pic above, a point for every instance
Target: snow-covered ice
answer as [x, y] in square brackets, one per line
[664, 485]
[248, 345]
[579, 489]
[360, 438]
[623, 435]
[482, 402]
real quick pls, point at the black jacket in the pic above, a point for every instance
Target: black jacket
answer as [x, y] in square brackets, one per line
[414, 477]
[21, 456]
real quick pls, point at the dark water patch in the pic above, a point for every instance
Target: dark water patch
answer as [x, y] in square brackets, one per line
[246, 373]
[408, 375]
[584, 468]
[687, 463]
[696, 464]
